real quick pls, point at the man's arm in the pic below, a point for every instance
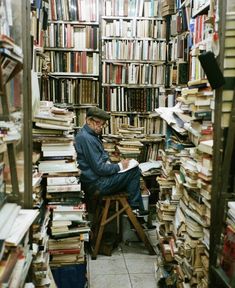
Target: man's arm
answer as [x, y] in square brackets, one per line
[96, 157]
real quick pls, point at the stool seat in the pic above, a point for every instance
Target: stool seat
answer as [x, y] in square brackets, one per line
[124, 207]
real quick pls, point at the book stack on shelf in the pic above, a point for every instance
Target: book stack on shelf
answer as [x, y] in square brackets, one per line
[167, 8]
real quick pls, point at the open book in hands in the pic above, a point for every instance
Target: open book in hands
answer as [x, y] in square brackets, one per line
[132, 164]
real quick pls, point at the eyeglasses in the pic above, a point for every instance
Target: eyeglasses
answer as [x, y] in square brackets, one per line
[100, 123]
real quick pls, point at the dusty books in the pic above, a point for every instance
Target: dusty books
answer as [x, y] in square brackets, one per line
[150, 165]
[72, 213]
[61, 150]
[21, 225]
[206, 146]
[63, 188]
[54, 166]
[62, 180]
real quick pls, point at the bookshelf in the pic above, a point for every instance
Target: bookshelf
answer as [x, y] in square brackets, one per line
[72, 52]
[186, 193]
[15, 112]
[133, 55]
[16, 145]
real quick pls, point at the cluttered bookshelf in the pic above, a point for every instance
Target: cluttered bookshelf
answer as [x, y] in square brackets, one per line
[71, 52]
[142, 61]
[133, 54]
[185, 199]
[17, 215]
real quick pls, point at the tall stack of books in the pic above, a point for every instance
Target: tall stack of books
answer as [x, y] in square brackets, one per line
[68, 229]
[68, 226]
[183, 231]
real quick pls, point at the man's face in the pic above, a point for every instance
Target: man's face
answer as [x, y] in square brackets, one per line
[96, 124]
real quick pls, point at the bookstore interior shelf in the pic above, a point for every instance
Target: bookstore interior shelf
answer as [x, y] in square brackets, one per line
[131, 18]
[125, 100]
[70, 49]
[79, 23]
[73, 75]
[153, 62]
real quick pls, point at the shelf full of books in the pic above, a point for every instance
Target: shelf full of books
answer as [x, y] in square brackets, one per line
[70, 77]
[133, 55]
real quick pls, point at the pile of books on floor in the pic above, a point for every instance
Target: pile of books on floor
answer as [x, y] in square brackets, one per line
[67, 227]
[184, 213]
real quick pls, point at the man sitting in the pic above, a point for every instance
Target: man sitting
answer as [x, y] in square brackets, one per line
[97, 172]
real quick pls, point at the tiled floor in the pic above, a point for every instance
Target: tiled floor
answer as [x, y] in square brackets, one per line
[130, 266]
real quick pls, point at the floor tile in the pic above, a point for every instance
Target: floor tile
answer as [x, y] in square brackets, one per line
[107, 266]
[140, 265]
[111, 281]
[143, 281]
[130, 266]
[136, 250]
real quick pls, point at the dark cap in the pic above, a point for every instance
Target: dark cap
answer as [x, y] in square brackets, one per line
[97, 112]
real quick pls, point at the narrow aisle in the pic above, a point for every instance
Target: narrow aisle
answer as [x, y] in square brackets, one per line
[130, 266]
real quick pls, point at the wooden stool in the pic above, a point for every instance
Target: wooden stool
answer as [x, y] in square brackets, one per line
[125, 207]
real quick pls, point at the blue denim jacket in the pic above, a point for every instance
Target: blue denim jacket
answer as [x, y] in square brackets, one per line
[91, 156]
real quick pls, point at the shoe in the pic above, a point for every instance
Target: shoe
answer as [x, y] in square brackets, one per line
[143, 212]
[140, 213]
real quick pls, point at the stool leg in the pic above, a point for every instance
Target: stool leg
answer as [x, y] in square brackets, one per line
[137, 226]
[101, 229]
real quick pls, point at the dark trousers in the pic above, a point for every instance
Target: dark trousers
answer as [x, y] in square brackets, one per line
[128, 182]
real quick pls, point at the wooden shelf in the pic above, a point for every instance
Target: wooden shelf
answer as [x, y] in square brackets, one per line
[78, 23]
[72, 75]
[131, 18]
[70, 49]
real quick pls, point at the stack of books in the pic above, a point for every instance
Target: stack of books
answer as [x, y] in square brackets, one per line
[68, 226]
[167, 7]
[64, 189]
[186, 183]
[129, 148]
[68, 229]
